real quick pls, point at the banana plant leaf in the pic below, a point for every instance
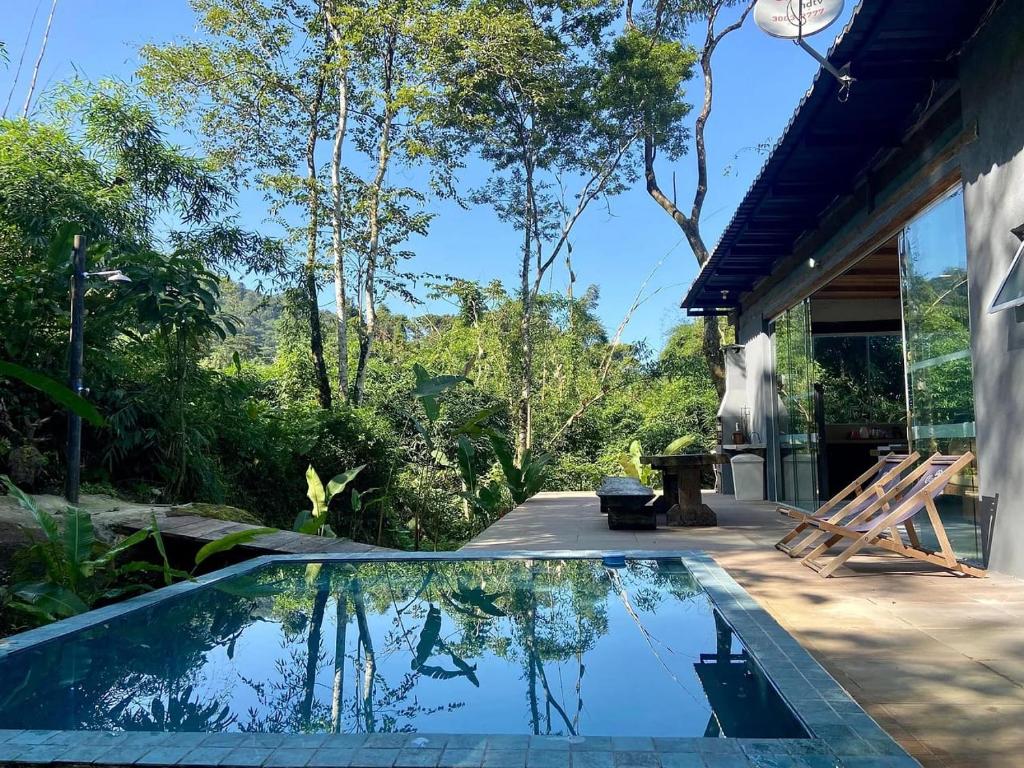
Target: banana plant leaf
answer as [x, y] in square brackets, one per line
[230, 541]
[52, 598]
[46, 522]
[428, 637]
[78, 537]
[56, 391]
[337, 483]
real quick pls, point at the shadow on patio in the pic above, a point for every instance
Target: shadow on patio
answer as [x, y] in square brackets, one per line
[936, 659]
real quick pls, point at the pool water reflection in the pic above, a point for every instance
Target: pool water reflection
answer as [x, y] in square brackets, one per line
[569, 647]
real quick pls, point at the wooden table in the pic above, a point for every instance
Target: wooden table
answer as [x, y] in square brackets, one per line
[681, 500]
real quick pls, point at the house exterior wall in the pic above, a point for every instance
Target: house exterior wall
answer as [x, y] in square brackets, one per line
[992, 87]
[990, 165]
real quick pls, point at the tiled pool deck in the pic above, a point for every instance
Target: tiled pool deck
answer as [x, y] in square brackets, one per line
[842, 734]
[936, 659]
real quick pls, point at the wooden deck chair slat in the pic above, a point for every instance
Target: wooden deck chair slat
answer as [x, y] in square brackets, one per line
[883, 472]
[882, 530]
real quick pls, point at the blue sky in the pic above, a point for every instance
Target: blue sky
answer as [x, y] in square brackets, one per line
[759, 81]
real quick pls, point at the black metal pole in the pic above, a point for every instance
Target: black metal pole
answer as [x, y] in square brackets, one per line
[74, 447]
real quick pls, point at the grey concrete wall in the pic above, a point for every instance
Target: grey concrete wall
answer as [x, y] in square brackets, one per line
[992, 85]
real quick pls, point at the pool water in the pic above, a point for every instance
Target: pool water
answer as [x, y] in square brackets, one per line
[568, 647]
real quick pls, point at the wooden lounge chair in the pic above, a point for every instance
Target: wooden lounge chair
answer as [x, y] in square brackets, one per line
[858, 495]
[879, 524]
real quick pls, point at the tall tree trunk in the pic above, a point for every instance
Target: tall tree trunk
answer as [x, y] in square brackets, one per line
[338, 689]
[316, 337]
[690, 223]
[359, 604]
[340, 290]
[524, 427]
[316, 624]
[369, 324]
[39, 60]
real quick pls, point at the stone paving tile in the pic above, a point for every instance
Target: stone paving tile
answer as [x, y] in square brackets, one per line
[504, 758]
[549, 743]
[508, 741]
[331, 757]
[374, 758]
[85, 753]
[681, 760]
[635, 759]
[244, 757]
[676, 745]
[290, 757]
[30, 737]
[40, 753]
[592, 759]
[391, 740]
[633, 743]
[466, 741]
[548, 758]
[421, 757]
[204, 755]
[456, 757]
[155, 756]
[592, 744]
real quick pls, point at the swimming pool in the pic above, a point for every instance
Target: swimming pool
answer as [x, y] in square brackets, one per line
[463, 660]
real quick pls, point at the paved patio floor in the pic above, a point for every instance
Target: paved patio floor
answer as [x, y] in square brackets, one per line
[936, 659]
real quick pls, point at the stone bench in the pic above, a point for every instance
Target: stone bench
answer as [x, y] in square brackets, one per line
[626, 502]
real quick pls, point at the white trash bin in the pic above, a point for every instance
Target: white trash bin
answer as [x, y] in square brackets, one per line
[748, 477]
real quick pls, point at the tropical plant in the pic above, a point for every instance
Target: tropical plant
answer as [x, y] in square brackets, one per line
[56, 391]
[524, 478]
[633, 465]
[69, 570]
[314, 520]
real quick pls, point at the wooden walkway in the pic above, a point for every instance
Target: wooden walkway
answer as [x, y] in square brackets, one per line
[198, 531]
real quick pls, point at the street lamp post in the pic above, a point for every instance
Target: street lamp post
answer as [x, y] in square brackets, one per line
[74, 450]
[75, 359]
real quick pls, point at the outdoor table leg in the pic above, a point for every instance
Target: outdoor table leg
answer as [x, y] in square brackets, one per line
[669, 492]
[689, 509]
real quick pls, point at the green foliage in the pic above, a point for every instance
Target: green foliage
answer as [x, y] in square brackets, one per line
[315, 521]
[209, 389]
[524, 478]
[68, 571]
[633, 467]
[54, 390]
[229, 541]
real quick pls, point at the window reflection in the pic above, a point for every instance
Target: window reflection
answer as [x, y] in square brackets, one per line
[936, 320]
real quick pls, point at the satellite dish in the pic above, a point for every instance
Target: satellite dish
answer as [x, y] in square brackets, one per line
[794, 19]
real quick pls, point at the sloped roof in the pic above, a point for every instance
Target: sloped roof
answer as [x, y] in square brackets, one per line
[896, 50]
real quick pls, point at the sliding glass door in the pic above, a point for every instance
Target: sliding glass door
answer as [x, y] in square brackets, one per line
[797, 444]
[937, 338]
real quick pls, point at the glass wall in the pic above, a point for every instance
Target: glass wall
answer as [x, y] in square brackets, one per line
[863, 378]
[794, 409]
[937, 337]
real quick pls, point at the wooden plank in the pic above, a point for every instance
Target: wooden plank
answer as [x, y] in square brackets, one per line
[200, 530]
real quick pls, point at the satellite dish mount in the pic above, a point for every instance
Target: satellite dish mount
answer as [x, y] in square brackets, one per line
[796, 19]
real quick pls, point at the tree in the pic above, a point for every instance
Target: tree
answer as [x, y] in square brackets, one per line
[532, 91]
[256, 87]
[383, 47]
[662, 23]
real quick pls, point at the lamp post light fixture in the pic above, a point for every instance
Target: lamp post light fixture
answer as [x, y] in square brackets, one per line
[78, 276]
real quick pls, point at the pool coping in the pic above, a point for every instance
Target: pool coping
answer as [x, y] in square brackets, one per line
[842, 734]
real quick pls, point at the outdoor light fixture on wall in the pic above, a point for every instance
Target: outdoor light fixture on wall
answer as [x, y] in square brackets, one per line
[1011, 289]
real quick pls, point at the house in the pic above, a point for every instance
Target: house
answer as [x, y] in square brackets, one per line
[870, 269]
